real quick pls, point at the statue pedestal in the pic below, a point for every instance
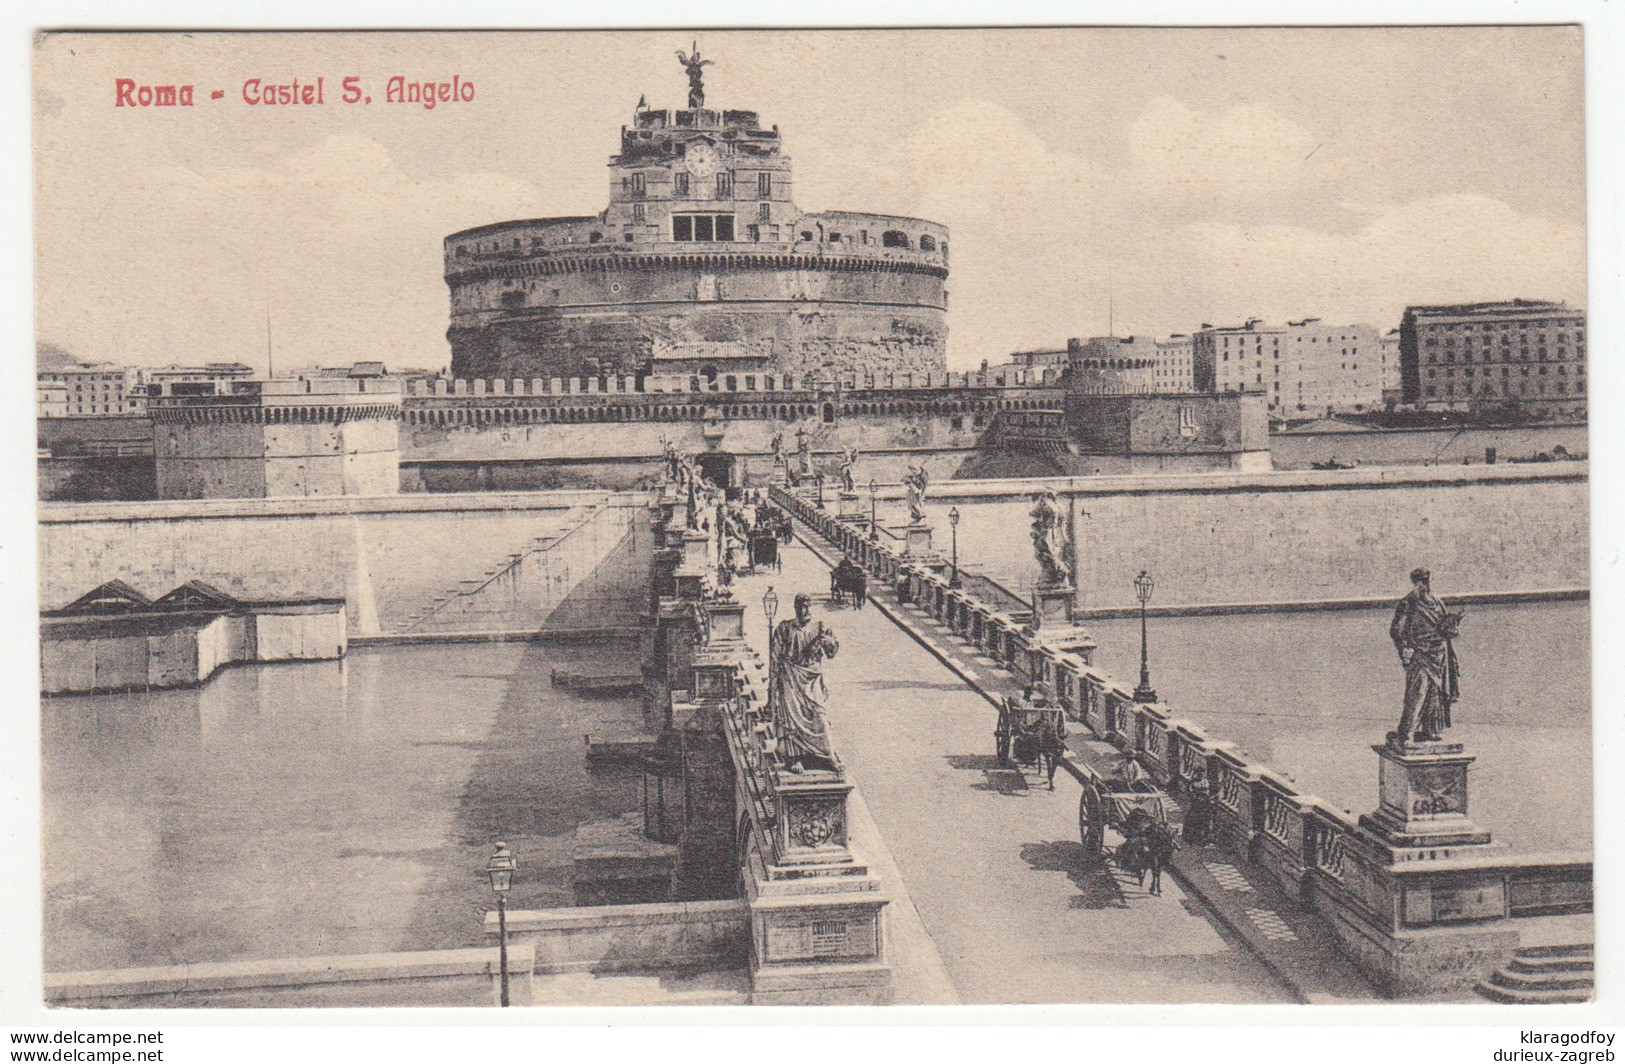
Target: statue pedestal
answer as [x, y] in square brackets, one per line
[1422, 797]
[1052, 606]
[693, 577]
[917, 543]
[1416, 895]
[848, 508]
[1052, 630]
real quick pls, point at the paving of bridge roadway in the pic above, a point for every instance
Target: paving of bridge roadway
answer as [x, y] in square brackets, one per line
[994, 867]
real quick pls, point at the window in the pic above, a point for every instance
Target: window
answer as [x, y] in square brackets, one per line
[702, 227]
[639, 214]
[891, 238]
[725, 186]
[764, 189]
[928, 243]
[764, 213]
[637, 184]
[679, 185]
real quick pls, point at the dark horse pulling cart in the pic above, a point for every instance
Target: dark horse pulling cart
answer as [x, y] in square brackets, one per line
[1031, 734]
[848, 584]
[1137, 810]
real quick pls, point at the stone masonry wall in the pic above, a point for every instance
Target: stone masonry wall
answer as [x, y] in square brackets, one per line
[388, 558]
[1290, 536]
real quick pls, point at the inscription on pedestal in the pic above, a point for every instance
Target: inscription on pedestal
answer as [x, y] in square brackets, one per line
[807, 937]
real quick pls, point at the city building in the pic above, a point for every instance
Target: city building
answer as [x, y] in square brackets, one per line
[1391, 389]
[1173, 372]
[701, 264]
[1471, 356]
[1303, 367]
[213, 378]
[98, 389]
[1112, 365]
[1033, 363]
[50, 398]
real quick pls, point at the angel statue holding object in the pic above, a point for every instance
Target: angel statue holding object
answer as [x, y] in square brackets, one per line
[916, 482]
[1051, 545]
[849, 458]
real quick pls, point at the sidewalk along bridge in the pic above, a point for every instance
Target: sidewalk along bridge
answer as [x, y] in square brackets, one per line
[1416, 921]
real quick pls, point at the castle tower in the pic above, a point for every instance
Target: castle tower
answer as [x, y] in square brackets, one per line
[701, 265]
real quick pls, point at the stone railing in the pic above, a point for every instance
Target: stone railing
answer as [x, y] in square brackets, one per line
[1318, 854]
[816, 928]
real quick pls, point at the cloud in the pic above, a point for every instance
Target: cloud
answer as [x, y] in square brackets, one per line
[1438, 249]
[1245, 149]
[336, 239]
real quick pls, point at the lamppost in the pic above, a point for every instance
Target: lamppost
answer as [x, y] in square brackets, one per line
[1143, 585]
[874, 528]
[770, 606]
[953, 526]
[820, 490]
[500, 870]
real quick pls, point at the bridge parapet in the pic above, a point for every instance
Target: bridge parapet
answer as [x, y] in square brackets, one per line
[1415, 919]
[816, 910]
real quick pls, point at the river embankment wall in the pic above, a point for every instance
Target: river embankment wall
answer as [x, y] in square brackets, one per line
[542, 561]
[1285, 536]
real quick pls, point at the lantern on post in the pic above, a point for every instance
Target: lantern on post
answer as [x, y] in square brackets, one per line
[1143, 586]
[499, 869]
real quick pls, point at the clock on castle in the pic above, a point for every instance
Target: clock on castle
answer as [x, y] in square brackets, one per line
[700, 265]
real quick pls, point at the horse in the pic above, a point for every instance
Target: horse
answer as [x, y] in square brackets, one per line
[1148, 847]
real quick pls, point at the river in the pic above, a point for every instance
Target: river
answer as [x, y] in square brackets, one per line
[327, 808]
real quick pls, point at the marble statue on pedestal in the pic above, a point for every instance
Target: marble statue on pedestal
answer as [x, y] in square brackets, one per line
[916, 482]
[849, 458]
[800, 645]
[1052, 547]
[1423, 632]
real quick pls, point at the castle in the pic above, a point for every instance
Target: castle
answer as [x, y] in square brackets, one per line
[701, 265]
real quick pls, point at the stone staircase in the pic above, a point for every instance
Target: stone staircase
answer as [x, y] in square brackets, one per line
[453, 604]
[1543, 975]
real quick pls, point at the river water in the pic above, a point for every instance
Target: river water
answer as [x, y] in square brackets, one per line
[327, 808]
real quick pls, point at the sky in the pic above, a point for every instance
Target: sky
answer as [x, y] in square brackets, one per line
[1124, 180]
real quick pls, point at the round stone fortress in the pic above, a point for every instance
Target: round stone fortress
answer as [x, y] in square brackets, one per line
[701, 265]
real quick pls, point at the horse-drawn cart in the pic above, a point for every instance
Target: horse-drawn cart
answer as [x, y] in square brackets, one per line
[1137, 810]
[764, 549]
[848, 584]
[1031, 734]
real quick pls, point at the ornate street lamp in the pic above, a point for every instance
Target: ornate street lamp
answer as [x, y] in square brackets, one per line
[820, 490]
[1143, 586]
[953, 525]
[770, 606]
[500, 870]
[874, 528]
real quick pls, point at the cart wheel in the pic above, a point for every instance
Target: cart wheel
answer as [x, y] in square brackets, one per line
[1091, 830]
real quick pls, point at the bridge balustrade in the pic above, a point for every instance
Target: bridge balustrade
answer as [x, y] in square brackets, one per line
[1324, 856]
